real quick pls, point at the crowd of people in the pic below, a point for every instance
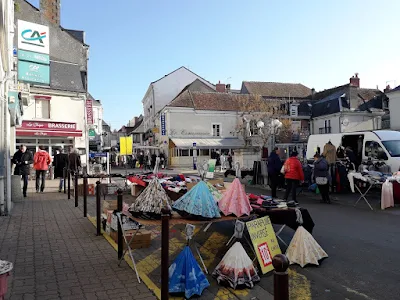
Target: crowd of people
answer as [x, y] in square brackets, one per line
[292, 172]
[23, 159]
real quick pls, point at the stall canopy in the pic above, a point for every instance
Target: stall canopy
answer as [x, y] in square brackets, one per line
[209, 143]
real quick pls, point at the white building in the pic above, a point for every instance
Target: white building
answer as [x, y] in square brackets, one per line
[348, 108]
[6, 73]
[161, 92]
[207, 120]
[56, 115]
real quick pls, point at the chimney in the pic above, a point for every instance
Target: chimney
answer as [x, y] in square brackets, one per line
[355, 80]
[387, 89]
[312, 93]
[50, 9]
[220, 87]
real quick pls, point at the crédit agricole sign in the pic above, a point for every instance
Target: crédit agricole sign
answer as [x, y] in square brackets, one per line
[33, 37]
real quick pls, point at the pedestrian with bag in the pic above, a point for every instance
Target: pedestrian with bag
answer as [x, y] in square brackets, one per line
[60, 162]
[41, 162]
[22, 159]
[321, 177]
[274, 167]
[294, 175]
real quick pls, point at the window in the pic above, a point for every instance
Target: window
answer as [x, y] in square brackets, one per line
[216, 129]
[204, 152]
[184, 152]
[42, 109]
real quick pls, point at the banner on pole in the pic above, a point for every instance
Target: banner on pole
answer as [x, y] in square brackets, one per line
[125, 145]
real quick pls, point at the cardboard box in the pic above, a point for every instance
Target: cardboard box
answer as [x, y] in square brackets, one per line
[110, 204]
[136, 190]
[142, 238]
[90, 189]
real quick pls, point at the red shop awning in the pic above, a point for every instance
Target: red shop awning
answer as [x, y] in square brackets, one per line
[33, 132]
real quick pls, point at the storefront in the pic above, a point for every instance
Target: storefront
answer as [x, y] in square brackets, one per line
[51, 135]
[181, 150]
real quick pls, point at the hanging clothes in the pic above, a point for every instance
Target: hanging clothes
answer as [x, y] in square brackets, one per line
[329, 153]
[387, 199]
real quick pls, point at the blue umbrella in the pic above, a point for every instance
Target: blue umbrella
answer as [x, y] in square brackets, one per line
[198, 202]
[186, 276]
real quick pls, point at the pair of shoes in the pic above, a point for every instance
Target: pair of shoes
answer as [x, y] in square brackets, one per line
[59, 191]
[25, 196]
[37, 191]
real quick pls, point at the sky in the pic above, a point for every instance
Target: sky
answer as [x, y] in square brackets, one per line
[320, 44]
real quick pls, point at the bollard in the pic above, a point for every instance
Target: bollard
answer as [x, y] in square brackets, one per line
[76, 188]
[85, 188]
[165, 215]
[69, 183]
[120, 238]
[281, 277]
[65, 179]
[98, 213]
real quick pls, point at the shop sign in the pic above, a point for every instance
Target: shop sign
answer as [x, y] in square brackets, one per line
[49, 125]
[34, 57]
[264, 241]
[92, 133]
[33, 72]
[211, 168]
[33, 37]
[125, 145]
[89, 111]
[163, 126]
[174, 132]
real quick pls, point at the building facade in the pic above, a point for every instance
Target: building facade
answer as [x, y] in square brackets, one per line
[161, 92]
[95, 128]
[57, 110]
[348, 108]
[10, 108]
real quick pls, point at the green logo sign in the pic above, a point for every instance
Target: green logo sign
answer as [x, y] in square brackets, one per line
[92, 133]
[33, 72]
[34, 57]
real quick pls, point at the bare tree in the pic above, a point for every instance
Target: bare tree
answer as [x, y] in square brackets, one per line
[257, 118]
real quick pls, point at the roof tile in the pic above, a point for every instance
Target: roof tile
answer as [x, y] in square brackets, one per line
[277, 89]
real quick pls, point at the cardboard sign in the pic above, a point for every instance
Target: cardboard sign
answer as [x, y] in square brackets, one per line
[125, 145]
[264, 240]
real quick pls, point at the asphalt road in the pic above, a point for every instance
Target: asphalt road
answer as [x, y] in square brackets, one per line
[362, 245]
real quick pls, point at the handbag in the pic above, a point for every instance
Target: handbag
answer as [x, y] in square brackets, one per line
[283, 170]
[321, 180]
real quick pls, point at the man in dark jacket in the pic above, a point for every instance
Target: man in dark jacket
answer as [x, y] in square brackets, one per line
[274, 169]
[22, 159]
[60, 162]
[74, 161]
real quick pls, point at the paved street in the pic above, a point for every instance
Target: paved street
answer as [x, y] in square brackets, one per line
[57, 256]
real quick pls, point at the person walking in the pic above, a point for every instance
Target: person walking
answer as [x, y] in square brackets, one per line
[274, 168]
[293, 174]
[22, 159]
[60, 162]
[74, 161]
[322, 177]
[41, 162]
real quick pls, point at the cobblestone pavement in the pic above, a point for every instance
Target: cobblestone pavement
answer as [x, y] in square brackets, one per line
[56, 254]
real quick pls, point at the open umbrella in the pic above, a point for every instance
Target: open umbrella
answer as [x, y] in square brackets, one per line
[186, 276]
[235, 201]
[214, 191]
[236, 268]
[150, 202]
[198, 202]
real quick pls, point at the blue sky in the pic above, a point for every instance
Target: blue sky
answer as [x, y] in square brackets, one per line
[317, 43]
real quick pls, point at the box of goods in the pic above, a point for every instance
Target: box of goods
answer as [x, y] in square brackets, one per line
[141, 240]
[110, 205]
[190, 185]
[136, 190]
[90, 189]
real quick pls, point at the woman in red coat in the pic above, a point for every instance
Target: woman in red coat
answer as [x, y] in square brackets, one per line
[293, 175]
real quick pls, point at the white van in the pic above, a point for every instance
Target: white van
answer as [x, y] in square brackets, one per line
[378, 145]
